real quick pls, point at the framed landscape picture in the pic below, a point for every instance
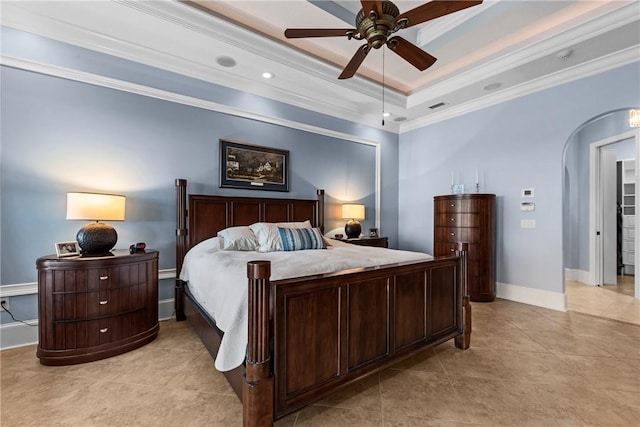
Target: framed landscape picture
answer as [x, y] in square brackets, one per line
[253, 167]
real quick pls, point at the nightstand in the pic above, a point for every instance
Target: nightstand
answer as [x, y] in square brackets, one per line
[380, 242]
[96, 307]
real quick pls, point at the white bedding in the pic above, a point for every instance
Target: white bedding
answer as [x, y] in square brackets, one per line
[218, 281]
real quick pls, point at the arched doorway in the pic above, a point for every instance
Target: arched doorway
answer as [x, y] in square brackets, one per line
[583, 218]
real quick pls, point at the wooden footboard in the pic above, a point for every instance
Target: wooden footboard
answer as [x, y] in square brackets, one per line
[333, 329]
[312, 335]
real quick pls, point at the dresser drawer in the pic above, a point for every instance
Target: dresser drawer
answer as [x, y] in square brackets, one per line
[448, 249]
[457, 220]
[457, 205]
[454, 235]
[90, 305]
[94, 279]
[82, 334]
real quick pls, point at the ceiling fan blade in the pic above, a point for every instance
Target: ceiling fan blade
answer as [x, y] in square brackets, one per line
[411, 53]
[433, 9]
[297, 33]
[368, 6]
[355, 62]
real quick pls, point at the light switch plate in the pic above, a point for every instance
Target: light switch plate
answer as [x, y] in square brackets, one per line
[527, 223]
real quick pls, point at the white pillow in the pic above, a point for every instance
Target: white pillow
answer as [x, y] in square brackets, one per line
[238, 239]
[268, 235]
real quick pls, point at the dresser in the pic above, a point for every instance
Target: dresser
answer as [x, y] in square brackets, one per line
[469, 218]
[96, 307]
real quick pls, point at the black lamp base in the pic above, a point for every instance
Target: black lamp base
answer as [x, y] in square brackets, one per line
[352, 229]
[96, 239]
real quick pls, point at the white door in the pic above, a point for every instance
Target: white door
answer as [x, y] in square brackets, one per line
[609, 227]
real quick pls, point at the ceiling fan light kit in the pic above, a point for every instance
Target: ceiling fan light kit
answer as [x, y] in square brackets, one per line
[377, 21]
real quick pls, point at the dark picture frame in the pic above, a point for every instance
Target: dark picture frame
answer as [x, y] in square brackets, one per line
[253, 167]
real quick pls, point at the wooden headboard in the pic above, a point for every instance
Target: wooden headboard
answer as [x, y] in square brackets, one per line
[205, 215]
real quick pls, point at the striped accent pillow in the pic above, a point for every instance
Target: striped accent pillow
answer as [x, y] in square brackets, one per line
[298, 239]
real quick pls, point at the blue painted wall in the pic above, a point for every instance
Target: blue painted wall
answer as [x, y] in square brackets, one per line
[60, 135]
[517, 144]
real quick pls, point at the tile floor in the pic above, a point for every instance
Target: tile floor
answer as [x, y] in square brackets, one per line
[609, 301]
[527, 366]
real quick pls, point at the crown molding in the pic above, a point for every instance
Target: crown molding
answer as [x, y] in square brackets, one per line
[316, 91]
[527, 54]
[596, 66]
[356, 100]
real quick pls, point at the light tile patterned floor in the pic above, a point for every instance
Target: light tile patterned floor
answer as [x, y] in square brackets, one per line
[609, 301]
[527, 366]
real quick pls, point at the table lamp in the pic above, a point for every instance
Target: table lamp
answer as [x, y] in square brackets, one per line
[353, 212]
[96, 238]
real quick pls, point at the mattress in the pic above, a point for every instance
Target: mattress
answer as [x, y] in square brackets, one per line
[217, 279]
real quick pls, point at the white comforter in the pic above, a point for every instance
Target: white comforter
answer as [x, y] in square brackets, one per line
[218, 280]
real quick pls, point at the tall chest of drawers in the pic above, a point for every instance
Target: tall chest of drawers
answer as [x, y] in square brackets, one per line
[93, 308]
[469, 218]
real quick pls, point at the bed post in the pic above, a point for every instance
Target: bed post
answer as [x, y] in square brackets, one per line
[320, 212]
[181, 244]
[463, 341]
[258, 385]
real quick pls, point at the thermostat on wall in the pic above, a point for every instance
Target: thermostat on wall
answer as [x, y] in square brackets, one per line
[527, 206]
[526, 192]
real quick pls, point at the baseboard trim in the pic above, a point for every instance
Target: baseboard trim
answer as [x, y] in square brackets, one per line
[532, 296]
[17, 334]
[575, 275]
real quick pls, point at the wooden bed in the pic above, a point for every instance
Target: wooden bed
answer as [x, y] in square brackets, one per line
[311, 335]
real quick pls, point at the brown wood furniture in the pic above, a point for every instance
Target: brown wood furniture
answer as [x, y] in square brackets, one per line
[469, 218]
[93, 308]
[379, 242]
[309, 336]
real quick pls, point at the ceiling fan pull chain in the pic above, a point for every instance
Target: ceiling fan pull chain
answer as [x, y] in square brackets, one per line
[383, 50]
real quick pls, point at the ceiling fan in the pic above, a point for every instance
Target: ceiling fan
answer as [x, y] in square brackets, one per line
[377, 21]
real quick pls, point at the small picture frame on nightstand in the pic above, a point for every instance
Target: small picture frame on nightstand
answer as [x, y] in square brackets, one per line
[67, 249]
[373, 232]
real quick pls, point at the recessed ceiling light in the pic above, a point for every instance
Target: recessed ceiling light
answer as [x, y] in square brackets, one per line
[226, 61]
[493, 86]
[386, 114]
[267, 75]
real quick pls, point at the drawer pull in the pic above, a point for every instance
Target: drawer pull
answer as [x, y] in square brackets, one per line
[453, 234]
[104, 277]
[104, 302]
[452, 250]
[452, 219]
[453, 205]
[103, 330]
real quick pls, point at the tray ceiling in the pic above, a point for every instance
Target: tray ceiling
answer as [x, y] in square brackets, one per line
[487, 53]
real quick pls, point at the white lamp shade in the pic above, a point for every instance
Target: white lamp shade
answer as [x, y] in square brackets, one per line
[352, 211]
[95, 207]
